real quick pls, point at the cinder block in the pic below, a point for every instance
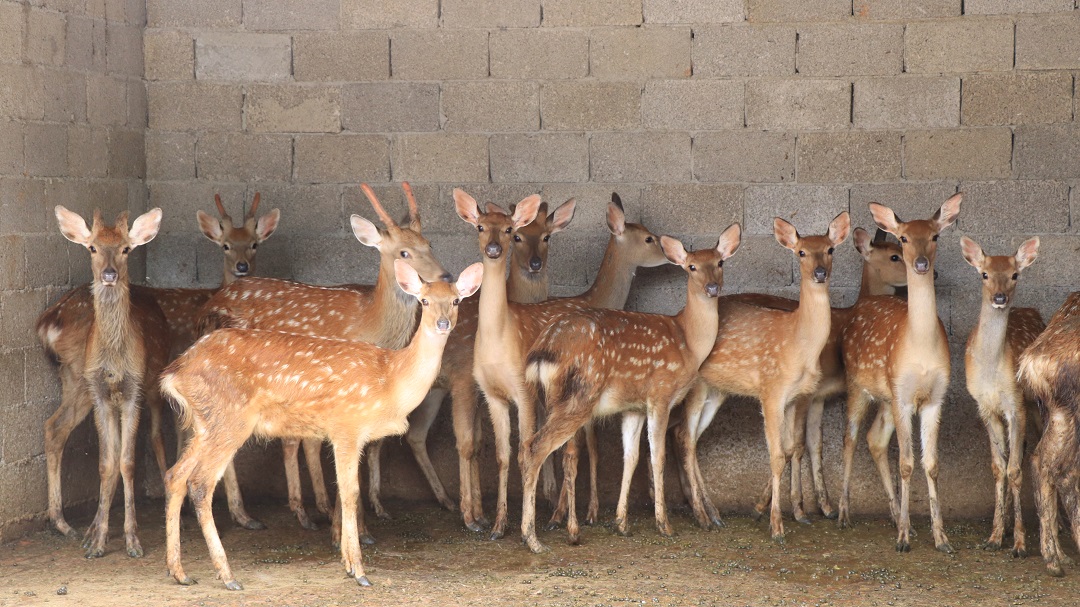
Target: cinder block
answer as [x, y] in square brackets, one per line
[1012, 7]
[744, 156]
[750, 50]
[490, 13]
[760, 263]
[376, 14]
[243, 56]
[170, 155]
[1047, 273]
[874, 49]
[540, 54]
[434, 216]
[908, 200]
[138, 112]
[22, 206]
[12, 32]
[691, 209]
[967, 45]
[106, 100]
[1017, 98]
[849, 156]
[168, 55]
[898, 103]
[798, 104]
[452, 157]
[239, 156]
[1048, 41]
[561, 13]
[12, 262]
[87, 152]
[390, 107]
[127, 156]
[651, 52]
[806, 10]
[46, 266]
[79, 46]
[171, 260]
[574, 261]
[341, 56]
[23, 95]
[491, 106]
[693, 11]
[196, 13]
[132, 12]
[439, 55]
[309, 211]
[184, 198]
[124, 54]
[42, 380]
[1047, 152]
[809, 208]
[958, 154]
[292, 15]
[13, 391]
[45, 37]
[539, 158]
[692, 104]
[46, 150]
[342, 158]
[640, 157]
[190, 106]
[65, 96]
[592, 198]
[293, 109]
[1019, 207]
[333, 261]
[11, 148]
[20, 310]
[905, 9]
[588, 105]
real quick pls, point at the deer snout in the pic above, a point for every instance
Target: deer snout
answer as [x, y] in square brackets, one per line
[820, 274]
[242, 267]
[443, 325]
[493, 250]
[712, 289]
[109, 276]
[1000, 299]
[921, 265]
[536, 264]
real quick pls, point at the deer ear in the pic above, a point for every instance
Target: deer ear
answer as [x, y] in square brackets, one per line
[785, 233]
[1027, 252]
[973, 253]
[673, 250]
[946, 215]
[616, 216]
[407, 278]
[72, 226]
[365, 231]
[210, 226]
[145, 227]
[884, 217]
[525, 211]
[729, 241]
[491, 207]
[470, 280]
[266, 225]
[839, 227]
[863, 243]
[466, 207]
[562, 216]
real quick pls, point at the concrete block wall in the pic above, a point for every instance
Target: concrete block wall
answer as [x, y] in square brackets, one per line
[72, 122]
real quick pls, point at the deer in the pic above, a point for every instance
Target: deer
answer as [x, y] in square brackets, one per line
[504, 330]
[896, 353]
[769, 354]
[1048, 368]
[235, 383]
[993, 347]
[379, 314]
[109, 359]
[593, 363]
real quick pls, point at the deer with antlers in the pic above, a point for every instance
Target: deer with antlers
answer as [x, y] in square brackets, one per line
[897, 354]
[235, 383]
[993, 348]
[770, 354]
[594, 363]
[109, 357]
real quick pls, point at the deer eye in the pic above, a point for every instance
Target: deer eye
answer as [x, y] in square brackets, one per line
[649, 239]
[226, 246]
[802, 253]
[508, 230]
[517, 238]
[903, 239]
[720, 264]
[424, 301]
[693, 268]
[1016, 275]
[894, 258]
[831, 249]
[935, 237]
[127, 250]
[93, 249]
[985, 277]
[457, 301]
[479, 228]
[405, 255]
[254, 245]
[547, 237]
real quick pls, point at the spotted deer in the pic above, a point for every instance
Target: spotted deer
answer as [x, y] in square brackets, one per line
[1049, 369]
[379, 314]
[109, 360]
[593, 363]
[993, 348]
[493, 346]
[235, 383]
[896, 353]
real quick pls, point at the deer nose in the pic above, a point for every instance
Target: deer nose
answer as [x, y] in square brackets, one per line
[109, 275]
[712, 289]
[1000, 299]
[922, 265]
[493, 250]
[241, 267]
[536, 264]
[443, 324]
[447, 277]
[820, 274]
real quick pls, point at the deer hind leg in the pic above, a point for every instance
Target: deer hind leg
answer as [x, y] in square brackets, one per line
[347, 464]
[877, 439]
[1017, 426]
[930, 424]
[559, 427]
[795, 438]
[176, 480]
[235, 499]
[632, 423]
[995, 429]
[658, 424]
[375, 478]
[702, 404]
[213, 459]
[499, 409]
[593, 513]
[773, 407]
[570, 469]
[857, 403]
[420, 422]
[814, 421]
[1046, 499]
[290, 452]
[313, 459]
[75, 405]
[106, 417]
[129, 426]
[467, 436]
[558, 515]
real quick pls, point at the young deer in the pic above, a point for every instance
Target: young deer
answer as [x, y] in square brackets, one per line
[381, 315]
[1049, 368]
[897, 353]
[772, 355]
[594, 363]
[110, 358]
[235, 383]
[990, 364]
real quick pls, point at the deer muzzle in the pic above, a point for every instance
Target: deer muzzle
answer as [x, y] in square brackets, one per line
[443, 325]
[493, 250]
[536, 264]
[109, 276]
[1000, 299]
[242, 268]
[712, 289]
[921, 265]
[820, 274]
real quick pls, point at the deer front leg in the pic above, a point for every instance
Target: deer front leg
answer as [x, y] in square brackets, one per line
[75, 405]
[632, 423]
[903, 411]
[465, 422]
[129, 425]
[108, 424]
[878, 438]
[700, 407]
[290, 452]
[1017, 425]
[998, 464]
[593, 513]
[157, 443]
[347, 464]
[313, 459]
[814, 421]
[857, 404]
[930, 424]
[795, 437]
[658, 423]
[236, 500]
[499, 409]
[773, 410]
[420, 422]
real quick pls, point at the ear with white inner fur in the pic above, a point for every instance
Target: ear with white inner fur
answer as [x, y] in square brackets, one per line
[839, 227]
[145, 227]
[562, 216]
[673, 250]
[863, 242]
[266, 225]
[729, 241]
[210, 227]
[616, 219]
[946, 215]
[525, 211]
[72, 226]
[470, 279]
[973, 253]
[785, 233]
[407, 278]
[1027, 252]
[365, 231]
[884, 217]
[466, 206]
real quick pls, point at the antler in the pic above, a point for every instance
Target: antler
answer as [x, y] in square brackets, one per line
[379, 210]
[414, 210]
[254, 207]
[221, 207]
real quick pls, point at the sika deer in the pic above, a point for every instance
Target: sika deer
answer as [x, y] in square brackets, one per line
[594, 363]
[378, 314]
[235, 383]
[772, 355]
[1049, 368]
[897, 354]
[990, 364]
[108, 357]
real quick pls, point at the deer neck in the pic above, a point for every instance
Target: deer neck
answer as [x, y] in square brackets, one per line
[813, 317]
[922, 318]
[989, 338]
[611, 288]
[494, 313]
[872, 284]
[227, 277]
[526, 287]
[699, 322]
[416, 366]
[392, 310]
[112, 319]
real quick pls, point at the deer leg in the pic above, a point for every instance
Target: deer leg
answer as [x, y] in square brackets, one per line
[1046, 503]
[347, 464]
[593, 513]
[290, 452]
[930, 424]
[1017, 426]
[559, 513]
[658, 423]
[877, 439]
[814, 418]
[75, 405]
[157, 443]
[795, 432]
[499, 410]
[129, 425]
[998, 464]
[713, 402]
[570, 468]
[215, 458]
[902, 412]
[107, 420]
[556, 431]
[176, 486]
[857, 403]
[773, 410]
[375, 478]
[236, 500]
[463, 409]
[313, 459]
[420, 422]
[700, 407]
[527, 427]
[478, 496]
[632, 423]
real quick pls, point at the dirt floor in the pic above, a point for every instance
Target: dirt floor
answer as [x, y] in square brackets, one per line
[425, 556]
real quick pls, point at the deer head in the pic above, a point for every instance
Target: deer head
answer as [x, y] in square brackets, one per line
[438, 300]
[999, 272]
[918, 238]
[495, 227]
[705, 267]
[238, 243]
[396, 242]
[109, 246]
[815, 252]
[530, 248]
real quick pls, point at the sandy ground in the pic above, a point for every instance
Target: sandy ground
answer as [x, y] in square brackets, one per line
[424, 556]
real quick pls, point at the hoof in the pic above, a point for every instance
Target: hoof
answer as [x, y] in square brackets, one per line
[448, 505]
[310, 526]
[384, 515]
[187, 581]
[590, 520]
[843, 522]
[535, 546]
[553, 525]
[234, 585]
[946, 548]
[95, 553]
[993, 546]
[363, 581]
[719, 523]
[253, 525]
[476, 527]
[903, 546]
[496, 535]
[623, 531]
[805, 520]
[1019, 553]
[830, 514]
[136, 552]
[366, 539]
[757, 514]
[574, 540]
[1055, 570]
[778, 538]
